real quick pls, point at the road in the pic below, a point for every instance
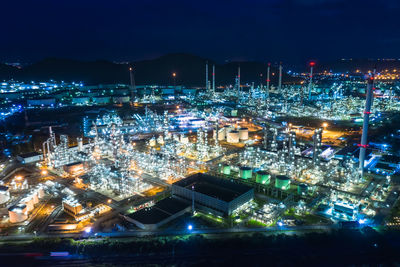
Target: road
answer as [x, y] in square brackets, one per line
[144, 233]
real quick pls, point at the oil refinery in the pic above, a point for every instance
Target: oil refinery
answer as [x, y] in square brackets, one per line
[272, 155]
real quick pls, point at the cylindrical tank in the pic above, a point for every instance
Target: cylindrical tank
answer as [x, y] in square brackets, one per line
[226, 169]
[263, 177]
[35, 197]
[243, 134]
[233, 137]
[245, 172]
[18, 213]
[28, 201]
[80, 144]
[4, 194]
[302, 189]
[234, 112]
[282, 182]
[221, 134]
[227, 128]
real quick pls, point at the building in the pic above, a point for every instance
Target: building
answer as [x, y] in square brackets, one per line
[30, 157]
[161, 213]
[72, 206]
[212, 194]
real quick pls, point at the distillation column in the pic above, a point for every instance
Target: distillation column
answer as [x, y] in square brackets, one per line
[367, 112]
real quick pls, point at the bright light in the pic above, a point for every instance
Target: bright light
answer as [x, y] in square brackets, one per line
[362, 221]
[280, 224]
[88, 229]
[109, 201]
[44, 172]
[190, 227]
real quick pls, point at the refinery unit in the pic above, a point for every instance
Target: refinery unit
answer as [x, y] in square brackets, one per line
[241, 135]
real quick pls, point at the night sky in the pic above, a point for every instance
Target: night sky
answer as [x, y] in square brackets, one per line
[289, 30]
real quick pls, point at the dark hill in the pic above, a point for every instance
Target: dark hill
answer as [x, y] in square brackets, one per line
[190, 71]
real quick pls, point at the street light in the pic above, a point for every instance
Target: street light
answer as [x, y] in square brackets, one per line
[174, 77]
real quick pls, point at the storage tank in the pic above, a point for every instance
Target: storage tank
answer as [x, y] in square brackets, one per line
[282, 182]
[302, 189]
[221, 134]
[40, 192]
[28, 201]
[227, 129]
[226, 169]
[233, 137]
[35, 197]
[243, 134]
[263, 177]
[80, 144]
[18, 213]
[245, 172]
[4, 194]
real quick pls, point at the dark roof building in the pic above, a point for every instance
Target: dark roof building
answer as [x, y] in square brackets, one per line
[162, 212]
[214, 194]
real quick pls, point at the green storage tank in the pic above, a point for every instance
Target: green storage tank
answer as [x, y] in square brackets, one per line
[282, 182]
[226, 169]
[263, 177]
[302, 189]
[245, 172]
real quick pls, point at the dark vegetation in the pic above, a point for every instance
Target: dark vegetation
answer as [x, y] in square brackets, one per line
[344, 247]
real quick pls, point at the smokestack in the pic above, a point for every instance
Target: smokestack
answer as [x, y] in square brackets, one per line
[268, 70]
[207, 76]
[213, 82]
[133, 86]
[280, 78]
[367, 112]
[238, 81]
[311, 75]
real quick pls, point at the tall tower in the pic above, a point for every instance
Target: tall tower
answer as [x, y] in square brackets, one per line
[238, 81]
[312, 64]
[367, 112]
[213, 81]
[133, 86]
[268, 80]
[280, 78]
[207, 77]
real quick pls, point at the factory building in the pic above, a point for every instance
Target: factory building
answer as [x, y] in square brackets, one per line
[212, 194]
[72, 206]
[30, 157]
[4, 194]
[161, 213]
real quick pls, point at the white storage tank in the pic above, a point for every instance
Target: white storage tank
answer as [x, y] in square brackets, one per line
[243, 134]
[233, 137]
[4, 194]
[18, 213]
[40, 192]
[35, 197]
[221, 134]
[28, 201]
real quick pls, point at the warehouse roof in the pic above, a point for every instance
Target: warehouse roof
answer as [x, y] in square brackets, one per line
[159, 212]
[212, 186]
